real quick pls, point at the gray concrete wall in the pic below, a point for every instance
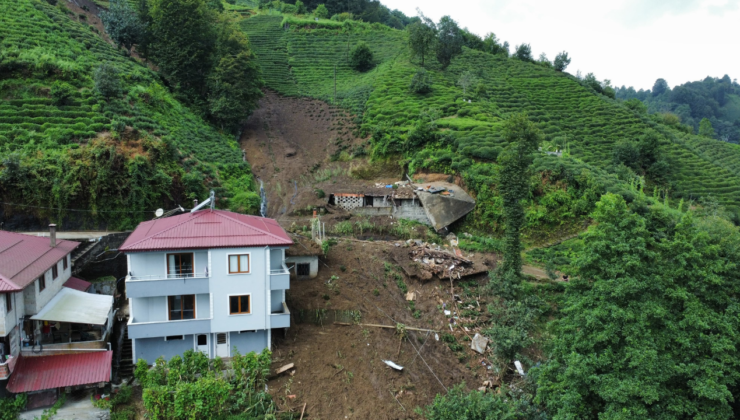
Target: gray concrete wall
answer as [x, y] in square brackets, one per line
[276, 299]
[293, 262]
[373, 211]
[248, 341]
[255, 283]
[169, 287]
[410, 212]
[161, 329]
[276, 258]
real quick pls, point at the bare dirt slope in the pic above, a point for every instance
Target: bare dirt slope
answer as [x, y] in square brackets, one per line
[339, 370]
[290, 142]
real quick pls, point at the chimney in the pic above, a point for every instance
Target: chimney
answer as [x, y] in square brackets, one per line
[53, 234]
[195, 202]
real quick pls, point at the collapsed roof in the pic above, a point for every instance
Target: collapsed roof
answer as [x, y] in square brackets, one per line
[444, 209]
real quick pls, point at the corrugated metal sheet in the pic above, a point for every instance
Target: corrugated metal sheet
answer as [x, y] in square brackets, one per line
[205, 229]
[49, 372]
[76, 307]
[77, 284]
[23, 258]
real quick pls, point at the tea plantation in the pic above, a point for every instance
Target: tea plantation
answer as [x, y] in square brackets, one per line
[299, 57]
[64, 145]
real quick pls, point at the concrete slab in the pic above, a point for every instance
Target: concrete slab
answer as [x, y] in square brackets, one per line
[79, 408]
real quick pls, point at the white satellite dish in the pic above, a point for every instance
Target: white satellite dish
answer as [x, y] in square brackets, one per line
[159, 212]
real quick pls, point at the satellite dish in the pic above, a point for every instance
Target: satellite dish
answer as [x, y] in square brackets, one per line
[159, 212]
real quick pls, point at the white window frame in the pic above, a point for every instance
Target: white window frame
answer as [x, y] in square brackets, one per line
[228, 304]
[248, 254]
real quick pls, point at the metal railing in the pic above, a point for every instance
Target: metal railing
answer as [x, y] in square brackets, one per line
[169, 276]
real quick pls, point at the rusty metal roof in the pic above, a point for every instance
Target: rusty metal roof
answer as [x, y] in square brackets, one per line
[206, 229]
[23, 258]
[50, 372]
[77, 284]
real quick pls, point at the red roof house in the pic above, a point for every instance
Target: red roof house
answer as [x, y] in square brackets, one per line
[52, 372]
[23, 258]
[206, 229]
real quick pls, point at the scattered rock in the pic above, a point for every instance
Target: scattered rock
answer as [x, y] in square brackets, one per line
[290, 152]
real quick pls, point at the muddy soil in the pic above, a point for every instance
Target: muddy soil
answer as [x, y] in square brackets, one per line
[339, 370]
[290, 142]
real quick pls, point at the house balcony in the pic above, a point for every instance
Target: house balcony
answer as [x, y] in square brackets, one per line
[280, 278]
[168, 328]
[166, 285]
[280, 319]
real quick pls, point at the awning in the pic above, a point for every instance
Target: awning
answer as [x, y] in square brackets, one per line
[51, 372]
[76, 307]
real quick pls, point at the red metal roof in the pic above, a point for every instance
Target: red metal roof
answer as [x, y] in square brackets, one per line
[77, 284]
[23, 258]
[49, 372]
[206, 229]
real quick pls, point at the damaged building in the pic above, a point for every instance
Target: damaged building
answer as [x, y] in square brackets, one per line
[437, 204]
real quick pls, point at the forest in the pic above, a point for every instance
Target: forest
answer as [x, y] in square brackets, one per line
[639, 190]
[710, 106]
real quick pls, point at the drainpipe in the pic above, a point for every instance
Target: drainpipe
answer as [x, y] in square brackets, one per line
[53, 234]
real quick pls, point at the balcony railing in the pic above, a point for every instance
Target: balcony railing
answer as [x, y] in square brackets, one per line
[278, 271]
[168, 276]
[147, 329]
[6, 368]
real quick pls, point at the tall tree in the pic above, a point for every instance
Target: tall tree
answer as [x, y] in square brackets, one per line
[449, 40]
[524, 52]
[523, 138]
[651, 326]
[705, 128]
[122, 24]
[183, 44]
[660, 86]
[492, 45]
[422, 37]
[235, 81]
[561, 61]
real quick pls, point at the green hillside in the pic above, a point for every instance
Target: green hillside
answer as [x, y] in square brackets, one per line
[587, 125]
[119, 157]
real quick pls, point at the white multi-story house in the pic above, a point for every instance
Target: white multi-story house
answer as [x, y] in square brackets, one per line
[208, 280]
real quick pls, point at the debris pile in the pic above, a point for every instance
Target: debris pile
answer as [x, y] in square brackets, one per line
[439, 263]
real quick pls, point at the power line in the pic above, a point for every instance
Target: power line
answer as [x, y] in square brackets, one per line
[77, 210]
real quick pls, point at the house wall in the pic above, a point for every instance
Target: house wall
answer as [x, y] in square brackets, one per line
[255, 283]
[150, 349]
[349, 203]
[9, 321]
[276, 258]
[34, 300]
[411, 210]
[313, 260]
[154, 309]
[155, 263]
[276, 300]
[248, 341]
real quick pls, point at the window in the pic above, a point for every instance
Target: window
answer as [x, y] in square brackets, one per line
[181, 307]
[238, 264]
[42, 283]
[180, 265]
[8, 302]
[303, 269]
[55, 271]
[202, 340]
[239, 305]
[174, 337]
[65, 263]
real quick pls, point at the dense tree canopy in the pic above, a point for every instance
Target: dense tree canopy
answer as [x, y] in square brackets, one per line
[449, 40]
[524, 52]
[562, 61]
[122, 24]
[422, 38]
[651, 325]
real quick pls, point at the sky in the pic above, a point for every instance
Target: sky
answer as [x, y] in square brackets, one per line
[630, 42]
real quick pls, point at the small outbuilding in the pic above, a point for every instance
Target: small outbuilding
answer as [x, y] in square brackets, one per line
[302, 258]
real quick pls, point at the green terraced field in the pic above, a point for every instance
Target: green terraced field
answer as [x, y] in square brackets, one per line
[175, 154]
[300, 61]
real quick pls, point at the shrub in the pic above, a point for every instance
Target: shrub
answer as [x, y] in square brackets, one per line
[321, 11]
[61, 92]
[300, 8]
[361, 58]
[107, 80]
[10, 407]
[421, 82]
[341, 17]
